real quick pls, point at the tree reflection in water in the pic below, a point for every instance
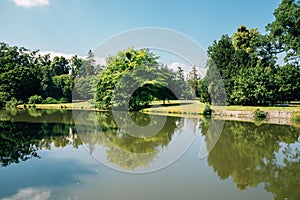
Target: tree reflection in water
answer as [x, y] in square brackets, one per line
[251, 155]
[246, 153]
[122, 149]
[20, 141]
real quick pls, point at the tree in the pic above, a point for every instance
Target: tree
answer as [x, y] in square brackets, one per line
[134, 78]
[141, 62]
[19, 76]
[285, 30]
[254, 86]
[76, 65]
[193, 79]
[288, 83]
[182, 88]
[220, 61]
[59, 66]
[203, 91]
[64, 86]
[88, 67]
[240, 60]
[85, 87]
[244, 37]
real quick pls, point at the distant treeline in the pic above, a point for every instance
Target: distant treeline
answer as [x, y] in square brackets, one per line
[28, 77]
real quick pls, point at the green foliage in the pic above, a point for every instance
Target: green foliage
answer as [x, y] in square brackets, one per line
[248, 155]
[255, 86]
[118, 66]
[259, 114]
[203, 91]
[59, 66]
[85, 88]
[244, 38]
[124, 149]
[24, 73]
[64, 100]
[12, 103]
[76, 65]
[22, 141]
[64, 86]
[285, 31]
[50, 100]
[3, 98]
[247, 66]
[193, 79]
[206, 110]
[35, 99]
[18, 73]
[135, 77]
[296, 118]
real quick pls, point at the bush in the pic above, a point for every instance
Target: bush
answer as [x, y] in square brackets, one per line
[296, 117]
[206, 110]
[3, 98]
[50, 100]
[35, 99]
[12, 103]
[259, 114]
[64, 100]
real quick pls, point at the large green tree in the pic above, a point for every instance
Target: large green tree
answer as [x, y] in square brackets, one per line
[133, 78]
[19, 75]
[285, 31]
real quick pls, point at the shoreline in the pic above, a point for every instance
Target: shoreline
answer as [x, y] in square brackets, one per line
[193, 109]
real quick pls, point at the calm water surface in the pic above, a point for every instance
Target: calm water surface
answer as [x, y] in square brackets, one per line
[49, 154]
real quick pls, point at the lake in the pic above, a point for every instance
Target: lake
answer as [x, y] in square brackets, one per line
[60, 154]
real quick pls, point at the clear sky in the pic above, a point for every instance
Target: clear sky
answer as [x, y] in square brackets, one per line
[75, 26]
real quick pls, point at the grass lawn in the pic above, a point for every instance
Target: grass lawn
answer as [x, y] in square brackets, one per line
[195, 107]
[78, 105]
[176, 107]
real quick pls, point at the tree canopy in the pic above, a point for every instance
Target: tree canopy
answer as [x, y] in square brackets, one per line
[133, 78]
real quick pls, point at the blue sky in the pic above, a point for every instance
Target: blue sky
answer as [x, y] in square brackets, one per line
[75, 26]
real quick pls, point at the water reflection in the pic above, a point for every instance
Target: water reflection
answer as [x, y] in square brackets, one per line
[251, 155]
[20, 141]
[120, 148]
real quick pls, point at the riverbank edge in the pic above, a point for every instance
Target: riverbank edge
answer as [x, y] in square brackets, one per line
[272, 116]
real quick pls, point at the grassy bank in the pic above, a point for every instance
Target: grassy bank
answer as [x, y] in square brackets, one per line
[173, 106]
[68, 106]
[193, 108]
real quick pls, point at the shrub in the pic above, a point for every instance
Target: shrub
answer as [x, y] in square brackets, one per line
[3, 98]
[64, 100]
[259, 114]
[35, 99]
[12, 103]
[296, 117]
[50, 100]
[206, 110]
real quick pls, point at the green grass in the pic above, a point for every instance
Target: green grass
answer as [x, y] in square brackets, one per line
[69, 106]
[195, 107]
[176, 107]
